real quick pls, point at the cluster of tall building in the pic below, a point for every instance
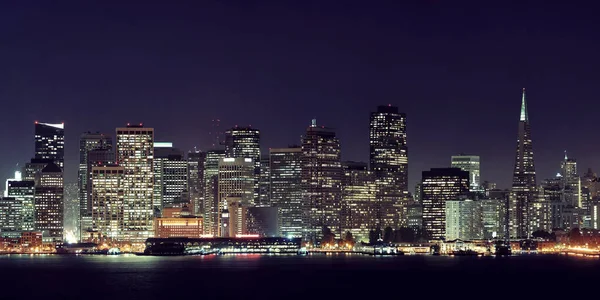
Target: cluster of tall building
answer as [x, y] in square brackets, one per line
[133, 187]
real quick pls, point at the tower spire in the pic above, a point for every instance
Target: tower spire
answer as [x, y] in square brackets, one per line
[524, 115]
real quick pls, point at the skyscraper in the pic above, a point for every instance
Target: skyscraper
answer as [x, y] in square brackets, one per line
[572, 181]
[210, 171]
[321, 181]
[244, 142]
[24, 191]
[11, 214]
[524, 190]
[464, 219]
[389, 163]
[95, 158]
[170, 176]
[469, 163]
[89, 142]
[107, 197]
[135, 153]
[50, 142]
[195, 160]
[48, 201]
[359, 206]
[286, 188]
[236, 185]
[264, 186]
[440, 185]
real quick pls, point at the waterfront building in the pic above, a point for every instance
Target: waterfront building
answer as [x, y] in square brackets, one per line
[244, 142]
[24, 192]
[179, 227]
[135, 153]
[463, 220]
[94, 158]
[471, 164]
[494, 209]
[108, 202]
[50, 142]
[321, 181]
[360, 206]
[389, 162]
[524, 189]
[441, 185]
[286, 188]
[235, 187]
[48, 201]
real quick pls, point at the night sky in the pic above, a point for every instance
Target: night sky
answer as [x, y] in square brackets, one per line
[456, 70]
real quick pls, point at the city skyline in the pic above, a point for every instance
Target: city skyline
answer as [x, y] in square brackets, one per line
[456, 73]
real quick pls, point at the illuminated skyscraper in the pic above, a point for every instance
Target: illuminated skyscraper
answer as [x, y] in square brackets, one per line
[195, 161]
[236, 185]
[572, 181]
[389, 163]
[50, 142]
[135, 153]
[524, 190]
[11, 214]
[359, 207]
[89, 142]
[321, 181]
[170, 176]
[469, 163]
[463, 219]
[48, 201]
[108, 203]
[244, 142]
[286, 188]
[440, 185]
[24, 191]
[210, 171]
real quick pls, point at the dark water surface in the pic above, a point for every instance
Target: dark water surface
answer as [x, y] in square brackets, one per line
[295, 277]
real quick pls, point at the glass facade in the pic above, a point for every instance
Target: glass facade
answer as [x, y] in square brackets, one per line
[359, 204]
[48, 201]
[135, 153]
[24, 191]
[108, 204]
[389, 163]
[439, 186]
[236, 181]
[469, 163]
[286, 188]
[244, 142]
[210, 171]
[321, 181]
[50, 142]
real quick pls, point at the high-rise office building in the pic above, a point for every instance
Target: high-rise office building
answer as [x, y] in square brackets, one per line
[170, 176]
[463, 220]
[321, 181]
[48, 201]
[244, 142]
[89, 142]
[236, 185]
[440, 185]
[494, 214]
[50, 142]
[195, 160]
[210, 171]
[469, 163]
[286, 188]
[389, 163]
[24, 191]
[418, 193]
[264, 186]
[359, 206]
[524, 190]
[108, 203]
[135, 153]
[94, 158]
[572, 181]
[11, 214]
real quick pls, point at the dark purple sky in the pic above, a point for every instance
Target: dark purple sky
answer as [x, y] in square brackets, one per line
[457, 71]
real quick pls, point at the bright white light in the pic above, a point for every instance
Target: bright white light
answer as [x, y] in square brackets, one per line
[228, 159]
[163, 145]
[70, 237]
[18, 176]
[248, 159]
[59, 126]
